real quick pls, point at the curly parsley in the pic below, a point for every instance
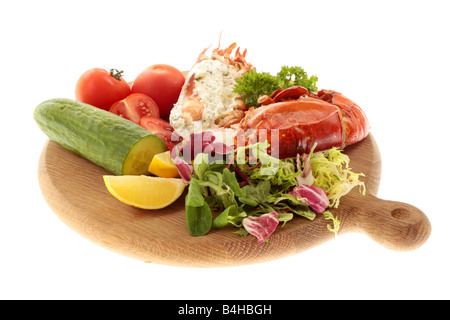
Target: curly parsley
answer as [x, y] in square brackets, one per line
[296, 76]
[254, 84]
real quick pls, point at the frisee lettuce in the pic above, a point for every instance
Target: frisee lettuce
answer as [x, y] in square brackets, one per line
[332, 174]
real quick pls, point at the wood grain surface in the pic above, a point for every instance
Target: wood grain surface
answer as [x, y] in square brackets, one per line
[74, 189]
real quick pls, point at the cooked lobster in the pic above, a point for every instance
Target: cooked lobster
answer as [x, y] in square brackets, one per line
[207, 100]
[293, 120]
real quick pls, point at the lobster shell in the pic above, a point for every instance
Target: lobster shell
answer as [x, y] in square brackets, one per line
[294, 120]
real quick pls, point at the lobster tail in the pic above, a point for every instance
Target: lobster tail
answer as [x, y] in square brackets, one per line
[207, 100]
[355, 122]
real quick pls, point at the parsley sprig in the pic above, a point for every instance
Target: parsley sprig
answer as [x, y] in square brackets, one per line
[254, 84]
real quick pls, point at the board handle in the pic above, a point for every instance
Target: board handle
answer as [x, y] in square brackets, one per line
[395, 225]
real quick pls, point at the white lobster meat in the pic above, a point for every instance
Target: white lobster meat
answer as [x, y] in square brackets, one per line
[207, 100]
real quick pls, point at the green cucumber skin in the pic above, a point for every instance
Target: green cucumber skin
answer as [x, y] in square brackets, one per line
[94, 134]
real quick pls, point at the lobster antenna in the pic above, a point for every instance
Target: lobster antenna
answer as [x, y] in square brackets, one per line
[220, 37]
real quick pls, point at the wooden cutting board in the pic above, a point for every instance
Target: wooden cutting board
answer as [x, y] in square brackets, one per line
[74, 189]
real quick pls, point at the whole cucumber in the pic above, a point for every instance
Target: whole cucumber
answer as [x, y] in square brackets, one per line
[112, 142]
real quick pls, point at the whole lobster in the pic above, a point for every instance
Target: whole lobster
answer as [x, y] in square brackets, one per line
[293, 120]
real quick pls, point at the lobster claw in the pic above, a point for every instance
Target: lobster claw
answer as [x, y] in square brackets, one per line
[291, 93]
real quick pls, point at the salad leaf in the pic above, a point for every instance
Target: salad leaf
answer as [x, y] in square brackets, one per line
[260, 192]
[230, 179]
[198, 213]
[253, 184]
[336, 223]
[222, 219]
[332, 174]
[194, 197]
[200, 164]
[281, 179]
[315, 197]
[263, 226]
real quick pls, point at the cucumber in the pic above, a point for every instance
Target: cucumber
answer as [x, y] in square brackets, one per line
[118, 145]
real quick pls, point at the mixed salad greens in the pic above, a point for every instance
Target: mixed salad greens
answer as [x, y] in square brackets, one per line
[245, 187]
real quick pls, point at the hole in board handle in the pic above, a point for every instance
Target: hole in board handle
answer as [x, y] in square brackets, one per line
[400, 214]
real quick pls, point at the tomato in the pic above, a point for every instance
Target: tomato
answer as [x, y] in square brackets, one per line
[162, 83]
[135, 106]
[162, 129]
[101, 88]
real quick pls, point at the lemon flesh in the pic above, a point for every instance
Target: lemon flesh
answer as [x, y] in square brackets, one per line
[145, 192]
[163, 166]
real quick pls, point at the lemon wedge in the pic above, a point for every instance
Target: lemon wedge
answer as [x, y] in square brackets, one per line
[163, 166]
[145, 192]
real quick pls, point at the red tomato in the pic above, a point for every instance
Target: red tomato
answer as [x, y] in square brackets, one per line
[135, 106]
[162, 129]
[162, 83]
[101, 88]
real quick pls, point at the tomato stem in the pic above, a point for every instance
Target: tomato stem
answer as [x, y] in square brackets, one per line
[116, 74]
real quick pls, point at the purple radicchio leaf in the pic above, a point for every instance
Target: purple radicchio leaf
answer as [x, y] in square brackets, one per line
[217, 148]
[243, 176]
[306, 177]
[195, 144]
[263, 226]
[184, 169]
[315, 197]
[203, 142]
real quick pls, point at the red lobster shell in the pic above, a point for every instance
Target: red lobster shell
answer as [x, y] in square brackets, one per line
[294, 119]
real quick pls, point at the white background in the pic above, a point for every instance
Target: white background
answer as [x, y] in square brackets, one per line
[391, 57]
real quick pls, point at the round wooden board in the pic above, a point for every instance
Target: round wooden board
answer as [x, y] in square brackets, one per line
[74, 189]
